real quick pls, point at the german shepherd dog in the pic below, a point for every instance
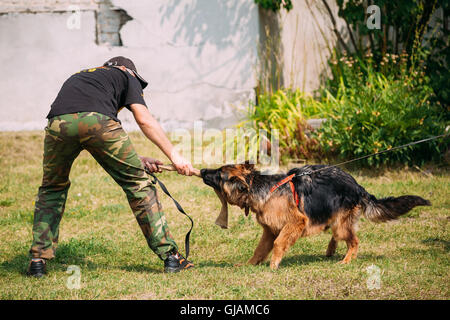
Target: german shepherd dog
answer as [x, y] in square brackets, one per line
[309, 204]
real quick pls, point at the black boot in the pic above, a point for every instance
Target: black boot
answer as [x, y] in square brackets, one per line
[36, 268]
[176, 262]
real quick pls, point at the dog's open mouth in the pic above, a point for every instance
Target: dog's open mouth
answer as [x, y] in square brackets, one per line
[209, 178]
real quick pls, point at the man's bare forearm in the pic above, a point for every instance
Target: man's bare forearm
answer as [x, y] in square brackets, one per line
[153, 131]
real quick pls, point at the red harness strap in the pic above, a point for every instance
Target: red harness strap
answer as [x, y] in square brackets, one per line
[291, 184]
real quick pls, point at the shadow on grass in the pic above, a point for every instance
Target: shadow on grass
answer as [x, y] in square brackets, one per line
[296, 260]
[214, 264]
[18, 264]
[74, 252]
[141, 268]
[305, 259]
[438, 242]
[372, 172]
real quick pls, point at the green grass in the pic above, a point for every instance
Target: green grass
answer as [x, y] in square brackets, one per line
[99, 234]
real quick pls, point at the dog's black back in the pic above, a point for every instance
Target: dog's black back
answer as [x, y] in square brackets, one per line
[326, 191]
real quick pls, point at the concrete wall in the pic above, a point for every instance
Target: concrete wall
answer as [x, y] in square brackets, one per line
[307, 40]
[198, 56]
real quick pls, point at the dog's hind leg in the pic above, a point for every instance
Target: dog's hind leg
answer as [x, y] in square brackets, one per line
[345, 230]
[264, 247]
[287, 237]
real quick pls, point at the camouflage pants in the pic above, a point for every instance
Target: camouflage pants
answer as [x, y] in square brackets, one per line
[65, 137]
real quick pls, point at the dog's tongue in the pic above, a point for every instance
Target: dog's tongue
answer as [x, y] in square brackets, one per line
[222, 219]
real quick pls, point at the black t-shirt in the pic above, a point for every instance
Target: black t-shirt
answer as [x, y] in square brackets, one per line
[105, 90]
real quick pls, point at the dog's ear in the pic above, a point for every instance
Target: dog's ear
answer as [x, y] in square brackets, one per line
[248, 166]
[242, 184]
[222, 219]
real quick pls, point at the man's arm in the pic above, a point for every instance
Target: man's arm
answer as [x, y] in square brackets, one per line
[153, 131]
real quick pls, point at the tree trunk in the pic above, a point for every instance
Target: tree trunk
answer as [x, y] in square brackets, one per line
[271, 75]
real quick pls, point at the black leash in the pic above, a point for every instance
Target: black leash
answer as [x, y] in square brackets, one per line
[179, 207]
[374, 154]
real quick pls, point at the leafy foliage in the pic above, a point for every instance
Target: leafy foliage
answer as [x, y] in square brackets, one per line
[377, 110]
[438, 59]
[388, 87]
[286, 112]
[405, 28]
[275, 5]
[373, 107]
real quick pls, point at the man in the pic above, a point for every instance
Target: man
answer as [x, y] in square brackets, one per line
[84, 117]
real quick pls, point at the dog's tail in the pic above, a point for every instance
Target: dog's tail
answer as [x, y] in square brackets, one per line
[381, 210]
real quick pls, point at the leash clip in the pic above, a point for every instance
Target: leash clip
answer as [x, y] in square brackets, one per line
[306, 173]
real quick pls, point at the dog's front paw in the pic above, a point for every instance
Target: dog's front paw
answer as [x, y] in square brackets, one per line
[274, 265]
[254, 261]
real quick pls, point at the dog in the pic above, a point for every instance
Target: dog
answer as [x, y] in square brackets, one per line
[305, 201]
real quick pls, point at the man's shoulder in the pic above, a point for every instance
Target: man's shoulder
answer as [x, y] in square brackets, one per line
[101, 70]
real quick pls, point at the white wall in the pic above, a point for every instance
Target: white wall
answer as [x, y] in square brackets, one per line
[307, 40]
[199, 57]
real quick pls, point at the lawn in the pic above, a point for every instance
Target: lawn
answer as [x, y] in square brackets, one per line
[100, 235]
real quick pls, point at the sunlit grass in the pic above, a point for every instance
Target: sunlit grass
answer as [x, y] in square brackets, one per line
[99, 234]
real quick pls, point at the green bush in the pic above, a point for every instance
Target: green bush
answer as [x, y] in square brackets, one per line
[275, 5]
[406, 26]
[369, 107]
[286, 111]
[380, 108]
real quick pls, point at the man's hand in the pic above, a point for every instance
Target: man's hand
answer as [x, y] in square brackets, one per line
[151, 164]
[152, 130]
[182, 165]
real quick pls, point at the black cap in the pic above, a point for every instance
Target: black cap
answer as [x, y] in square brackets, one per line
[127, 63]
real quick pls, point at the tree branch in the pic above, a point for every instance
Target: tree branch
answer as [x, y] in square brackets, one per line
[333, 21]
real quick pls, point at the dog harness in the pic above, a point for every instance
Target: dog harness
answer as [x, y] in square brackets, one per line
[291, 184]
